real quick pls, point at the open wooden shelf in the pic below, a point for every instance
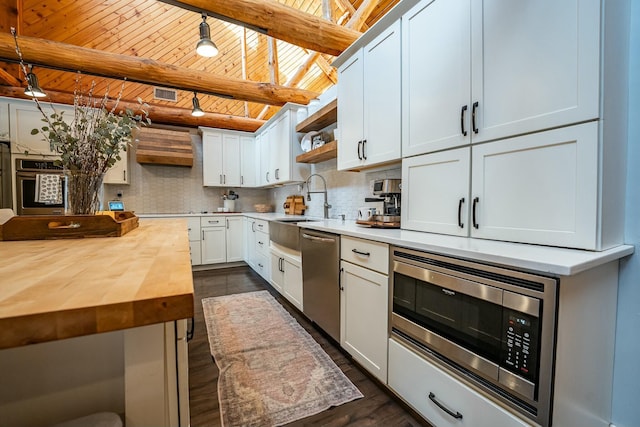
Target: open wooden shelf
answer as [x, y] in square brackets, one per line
[326, 152]
[322, 118]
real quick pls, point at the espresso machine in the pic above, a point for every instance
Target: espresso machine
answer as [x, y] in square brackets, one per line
[388, 192]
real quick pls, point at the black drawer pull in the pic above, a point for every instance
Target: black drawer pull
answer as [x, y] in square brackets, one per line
[457, 415]
[462, 129]
[355, 251]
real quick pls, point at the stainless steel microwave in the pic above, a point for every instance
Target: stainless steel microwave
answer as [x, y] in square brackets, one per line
[488, 325]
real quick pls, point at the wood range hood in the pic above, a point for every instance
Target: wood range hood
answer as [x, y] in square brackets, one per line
[163, 147]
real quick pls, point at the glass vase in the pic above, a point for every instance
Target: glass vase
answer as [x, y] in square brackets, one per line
[83, 192]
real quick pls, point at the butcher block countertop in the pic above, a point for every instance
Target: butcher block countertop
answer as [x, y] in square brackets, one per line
[55, 289]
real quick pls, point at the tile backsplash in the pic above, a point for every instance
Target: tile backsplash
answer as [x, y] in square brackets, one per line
[175, 189]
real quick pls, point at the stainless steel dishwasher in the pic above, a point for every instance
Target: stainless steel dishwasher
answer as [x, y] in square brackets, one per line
[321, 279]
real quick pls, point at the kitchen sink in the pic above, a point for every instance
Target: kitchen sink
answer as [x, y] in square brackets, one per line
[285, 232]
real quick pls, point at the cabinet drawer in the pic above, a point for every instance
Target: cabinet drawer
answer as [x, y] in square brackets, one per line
[212, 221]
[369, 254]
[262, 225]
[262, 266]
[415, 380]
[262, 244]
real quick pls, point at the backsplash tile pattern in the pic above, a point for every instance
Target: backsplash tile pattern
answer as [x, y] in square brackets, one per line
[175, 189]
[346, 191]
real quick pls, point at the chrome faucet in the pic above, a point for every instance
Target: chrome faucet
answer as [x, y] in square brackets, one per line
[326, 205]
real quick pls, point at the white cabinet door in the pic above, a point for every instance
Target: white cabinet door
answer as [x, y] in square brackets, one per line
[350, 112]
[4, 120]
[211, 158]
[540, 188]
[265, 157]
[193, 228]
[277, 271]
[436, 76]
[248, 161]
[214, 245]
[382, 98]
[250, 242]
[235, 238]
[534, 66]
[118, 173]
[231, 150]
[363, 317]
[23, 118]
[421, 384]
[281, 149]
[293, 282]
[435, 191]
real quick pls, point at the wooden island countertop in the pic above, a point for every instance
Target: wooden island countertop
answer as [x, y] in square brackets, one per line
[55, 289]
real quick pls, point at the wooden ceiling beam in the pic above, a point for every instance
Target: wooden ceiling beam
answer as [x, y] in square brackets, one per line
[277, 20]
[66, 57]
[9, 79]
[157, 114]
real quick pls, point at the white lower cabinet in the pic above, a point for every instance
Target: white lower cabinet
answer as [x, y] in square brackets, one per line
[364, 312]
[286, 274]
[440, 398]
[262, 263]
[222, 239]
[250, 242]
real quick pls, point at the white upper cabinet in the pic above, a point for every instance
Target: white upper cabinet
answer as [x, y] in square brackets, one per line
[436, 76]
[119, 172]
[278, 147]
[476, 71]
[435, 192]
[221, 163]
[369, 103]
[248, 161]
[540, 188]
[23, 118]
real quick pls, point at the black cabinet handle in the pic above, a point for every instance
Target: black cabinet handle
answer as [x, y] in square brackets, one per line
[359, 145]
[355, 251]
[364, 145]
[473, 117]
[457, 415]
[475, 203]
[460, 203]
[462, 129]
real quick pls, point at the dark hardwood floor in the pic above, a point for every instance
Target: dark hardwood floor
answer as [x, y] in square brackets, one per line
[377, 408]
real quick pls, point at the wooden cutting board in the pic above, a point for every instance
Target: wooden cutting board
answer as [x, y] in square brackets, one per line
[294, 205]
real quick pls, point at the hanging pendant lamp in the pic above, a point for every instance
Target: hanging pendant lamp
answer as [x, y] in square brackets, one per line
[33, 86]
[206, 47]
[197, 111]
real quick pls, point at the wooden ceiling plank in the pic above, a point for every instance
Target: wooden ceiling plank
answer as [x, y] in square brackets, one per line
[68, 57]
[279, 21]
[157, 114]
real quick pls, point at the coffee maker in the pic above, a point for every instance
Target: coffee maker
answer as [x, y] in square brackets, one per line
[389, 192]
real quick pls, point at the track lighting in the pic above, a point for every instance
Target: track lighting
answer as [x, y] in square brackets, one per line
[197, 111]
[205, 46]
[33, 87]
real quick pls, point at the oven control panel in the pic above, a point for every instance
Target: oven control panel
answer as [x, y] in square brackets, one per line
[519, 348]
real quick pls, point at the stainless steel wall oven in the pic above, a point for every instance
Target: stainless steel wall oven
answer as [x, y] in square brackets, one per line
[490, 326]
[26, 171]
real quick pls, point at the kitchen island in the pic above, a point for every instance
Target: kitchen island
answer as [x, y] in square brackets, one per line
[63, 300]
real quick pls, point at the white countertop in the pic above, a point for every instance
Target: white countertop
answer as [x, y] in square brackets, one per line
[542, 259]
[536, 258]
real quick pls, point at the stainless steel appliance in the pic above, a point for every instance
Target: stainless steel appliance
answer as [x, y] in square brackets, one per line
[389, 217]
[26, 171]
[5, 176]
[492, 327]
[320, 279]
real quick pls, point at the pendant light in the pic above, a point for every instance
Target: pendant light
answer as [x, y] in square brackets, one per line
[197, 111]
[205, 46]
[33, 86]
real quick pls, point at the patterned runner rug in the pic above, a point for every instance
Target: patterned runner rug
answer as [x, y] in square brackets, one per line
[272, 372]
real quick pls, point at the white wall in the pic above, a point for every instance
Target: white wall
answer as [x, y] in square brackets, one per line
[626, 384]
